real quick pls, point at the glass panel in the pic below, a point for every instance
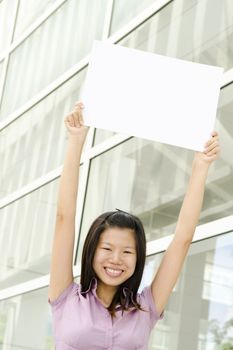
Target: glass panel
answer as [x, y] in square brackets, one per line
[124, 11]
[28, 12]
[185, 29]
[199, 313]
[26, 322]
[102, 135]
[35, 62]
[1, 66]
[26, 237]
[7, 9]
[135, 176]
[26, 233]
[35, 143]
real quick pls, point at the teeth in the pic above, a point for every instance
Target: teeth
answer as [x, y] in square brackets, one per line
[113, 272]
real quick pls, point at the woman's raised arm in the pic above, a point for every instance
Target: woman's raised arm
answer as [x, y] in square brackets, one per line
[61, 272]
[174, 257]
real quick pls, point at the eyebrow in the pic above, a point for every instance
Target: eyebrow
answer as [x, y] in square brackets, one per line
[103, 242]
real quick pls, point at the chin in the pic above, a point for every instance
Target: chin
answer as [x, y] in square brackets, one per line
[113, 280]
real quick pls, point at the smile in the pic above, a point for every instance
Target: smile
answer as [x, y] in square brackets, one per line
[113, 272]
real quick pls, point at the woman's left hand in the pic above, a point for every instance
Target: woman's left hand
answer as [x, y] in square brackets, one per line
[211, 151]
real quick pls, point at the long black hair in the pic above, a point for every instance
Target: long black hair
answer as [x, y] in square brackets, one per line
[127, 291]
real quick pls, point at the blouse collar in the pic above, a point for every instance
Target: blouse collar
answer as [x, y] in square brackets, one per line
[92, 286]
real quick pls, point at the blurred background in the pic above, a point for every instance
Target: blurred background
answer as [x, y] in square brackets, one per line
[44, 51]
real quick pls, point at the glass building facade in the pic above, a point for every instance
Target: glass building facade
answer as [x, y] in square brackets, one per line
[44, 48]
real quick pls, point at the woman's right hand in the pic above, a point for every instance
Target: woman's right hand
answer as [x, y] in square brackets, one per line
[74, 122]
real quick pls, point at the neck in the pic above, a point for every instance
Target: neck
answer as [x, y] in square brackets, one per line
[105, 293]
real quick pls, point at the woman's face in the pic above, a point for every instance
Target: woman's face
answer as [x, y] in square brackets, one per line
[115, 256]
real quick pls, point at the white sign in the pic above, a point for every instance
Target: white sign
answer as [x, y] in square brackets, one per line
[151, 96]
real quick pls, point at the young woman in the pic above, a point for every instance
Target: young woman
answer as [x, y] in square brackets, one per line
[105, 311]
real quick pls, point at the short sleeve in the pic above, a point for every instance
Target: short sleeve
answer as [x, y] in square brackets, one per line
[70, 290]
[146, 299]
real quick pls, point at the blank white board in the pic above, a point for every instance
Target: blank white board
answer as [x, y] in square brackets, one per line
[151, 96]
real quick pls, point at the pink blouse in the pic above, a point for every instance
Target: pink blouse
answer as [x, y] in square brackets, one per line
[83, 323]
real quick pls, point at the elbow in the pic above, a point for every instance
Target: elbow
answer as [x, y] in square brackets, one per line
[184, 239]
[59, 216]
[64, 216]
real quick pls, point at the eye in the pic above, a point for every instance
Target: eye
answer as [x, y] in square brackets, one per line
[127, 251]
[106, 248]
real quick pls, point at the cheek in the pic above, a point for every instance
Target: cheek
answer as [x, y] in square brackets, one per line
[98, 258]
[95, 261]
[132, 262]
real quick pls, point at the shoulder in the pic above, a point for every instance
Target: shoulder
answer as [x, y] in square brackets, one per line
[146, 300]
[72, 290]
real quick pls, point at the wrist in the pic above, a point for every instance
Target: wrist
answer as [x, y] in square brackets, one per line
[76, 139]
[200, 165]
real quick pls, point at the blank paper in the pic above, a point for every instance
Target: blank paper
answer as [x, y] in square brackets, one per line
[151, 96]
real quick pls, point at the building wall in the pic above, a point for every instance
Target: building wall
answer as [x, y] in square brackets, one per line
[44, 47]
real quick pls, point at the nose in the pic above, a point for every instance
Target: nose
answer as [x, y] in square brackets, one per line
[115, 258]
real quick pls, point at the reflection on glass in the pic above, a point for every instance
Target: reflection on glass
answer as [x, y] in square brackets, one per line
[26, 322]
[124, 11]
[26, 233]
[199, 313]
[7, 8]
[130, 178]
[102, 135]
[28, 12]
[185, 29]
[35, 62]
[1, 65]
[35, 143]
[150, 180]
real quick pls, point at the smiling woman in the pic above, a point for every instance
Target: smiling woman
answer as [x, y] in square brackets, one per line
[105, 311]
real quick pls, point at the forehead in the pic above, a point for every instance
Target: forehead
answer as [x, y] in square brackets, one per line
[118, 236]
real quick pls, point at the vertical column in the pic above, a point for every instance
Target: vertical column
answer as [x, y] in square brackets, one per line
[6, 60]
[190, 312]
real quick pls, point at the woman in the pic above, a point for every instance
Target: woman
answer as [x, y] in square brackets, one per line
[105, 311]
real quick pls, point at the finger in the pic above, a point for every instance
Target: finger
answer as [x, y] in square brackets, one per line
[68, 116]
[76, 117]
[77, 112]
[213, 145]
[214, 133]
[75, 120]
[210, 145]
[79, 115]
[69, 120]
[211, 141]
[215, 151]
[81, 118]
[79, 104]
[72, 120]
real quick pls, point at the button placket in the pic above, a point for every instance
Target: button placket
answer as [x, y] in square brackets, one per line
[109, 331]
